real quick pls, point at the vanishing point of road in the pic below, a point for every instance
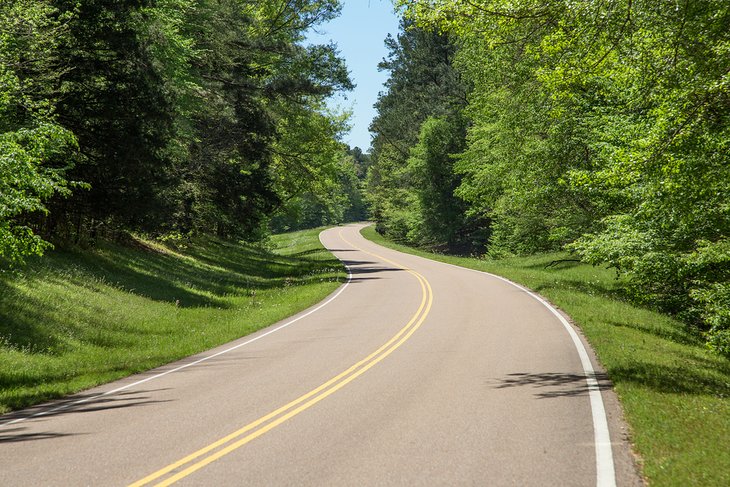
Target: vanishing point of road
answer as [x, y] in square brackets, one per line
[413, 372]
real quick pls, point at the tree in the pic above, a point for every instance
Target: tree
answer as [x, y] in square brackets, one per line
[262, 124]
[185, 116]
[423, 83]
[35, 151]
[440, 215]
[603, 125]
[185, 112]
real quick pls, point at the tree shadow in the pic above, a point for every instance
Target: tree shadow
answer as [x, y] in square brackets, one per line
[14, 435]
[309, 252]
[590, 288]
[361, 269]
[699, 373]
[355, 280]
[675, 379]
[158, 277]
[72, 405]
[66, 312]
[248, 260]
[23, 324]
[32, 325]
[561, 384]
[202, 275]
[677, 334]
[555, 264]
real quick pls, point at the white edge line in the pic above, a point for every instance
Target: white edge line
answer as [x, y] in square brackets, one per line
[605, 473]
[203, 359]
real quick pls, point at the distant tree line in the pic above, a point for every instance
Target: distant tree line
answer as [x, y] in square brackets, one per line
[536, 125]
[167, 116]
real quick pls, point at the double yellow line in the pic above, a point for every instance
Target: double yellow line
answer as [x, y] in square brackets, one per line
[209, 454]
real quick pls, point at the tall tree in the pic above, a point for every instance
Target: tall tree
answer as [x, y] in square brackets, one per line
[115, 102]
[35, 151]
[423, 83]
[181, 115]
[262, 128]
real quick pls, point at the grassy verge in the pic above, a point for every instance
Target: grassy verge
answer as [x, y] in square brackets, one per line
[675, 394]
[72, 320]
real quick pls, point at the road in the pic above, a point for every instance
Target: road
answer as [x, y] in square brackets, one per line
[413, 373]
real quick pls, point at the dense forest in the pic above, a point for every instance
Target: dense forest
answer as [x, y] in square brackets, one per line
[526, 126]
[168, 117]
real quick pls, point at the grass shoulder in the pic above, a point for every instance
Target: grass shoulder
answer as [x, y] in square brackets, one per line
[675, 393]
[75, 319]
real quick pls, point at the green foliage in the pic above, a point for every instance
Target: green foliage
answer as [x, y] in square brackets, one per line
[117, 105]
[603, 126]
[334, 199]
[440, 214]
[27, 181]
[715, 308]
[261, 135]
[418, 127]
[709, 275]
[307, 152]
[181, 116]
[35, 151]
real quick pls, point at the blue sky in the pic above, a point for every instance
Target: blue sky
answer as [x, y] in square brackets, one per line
[359, 33]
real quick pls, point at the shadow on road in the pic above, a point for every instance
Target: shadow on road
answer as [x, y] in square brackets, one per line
[371, 269]
[15, 435]
[359, 268]
[72, 405]
[561, 384]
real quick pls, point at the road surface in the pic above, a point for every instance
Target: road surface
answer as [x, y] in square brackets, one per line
[413, 373]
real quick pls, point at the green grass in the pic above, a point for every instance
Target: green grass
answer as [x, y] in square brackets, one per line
[72, 320]
[675, 393]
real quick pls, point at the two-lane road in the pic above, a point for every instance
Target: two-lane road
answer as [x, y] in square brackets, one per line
[413, 373]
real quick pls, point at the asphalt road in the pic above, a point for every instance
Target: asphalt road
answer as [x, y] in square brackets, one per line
[412, 373]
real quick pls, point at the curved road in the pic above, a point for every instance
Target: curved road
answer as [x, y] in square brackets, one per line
[412, 373]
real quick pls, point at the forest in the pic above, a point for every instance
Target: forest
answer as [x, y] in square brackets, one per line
[506, 127]
[171, 118]
[515, 127]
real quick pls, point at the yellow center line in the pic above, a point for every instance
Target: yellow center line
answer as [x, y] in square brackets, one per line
[311, 398]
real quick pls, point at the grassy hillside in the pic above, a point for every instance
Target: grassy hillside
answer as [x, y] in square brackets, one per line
[675, 393]
[72, 320]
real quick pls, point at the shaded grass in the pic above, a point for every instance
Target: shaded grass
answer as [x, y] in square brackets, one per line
[675, 393]
[74, 319]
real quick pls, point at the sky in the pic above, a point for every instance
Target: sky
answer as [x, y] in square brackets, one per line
[359, 33]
